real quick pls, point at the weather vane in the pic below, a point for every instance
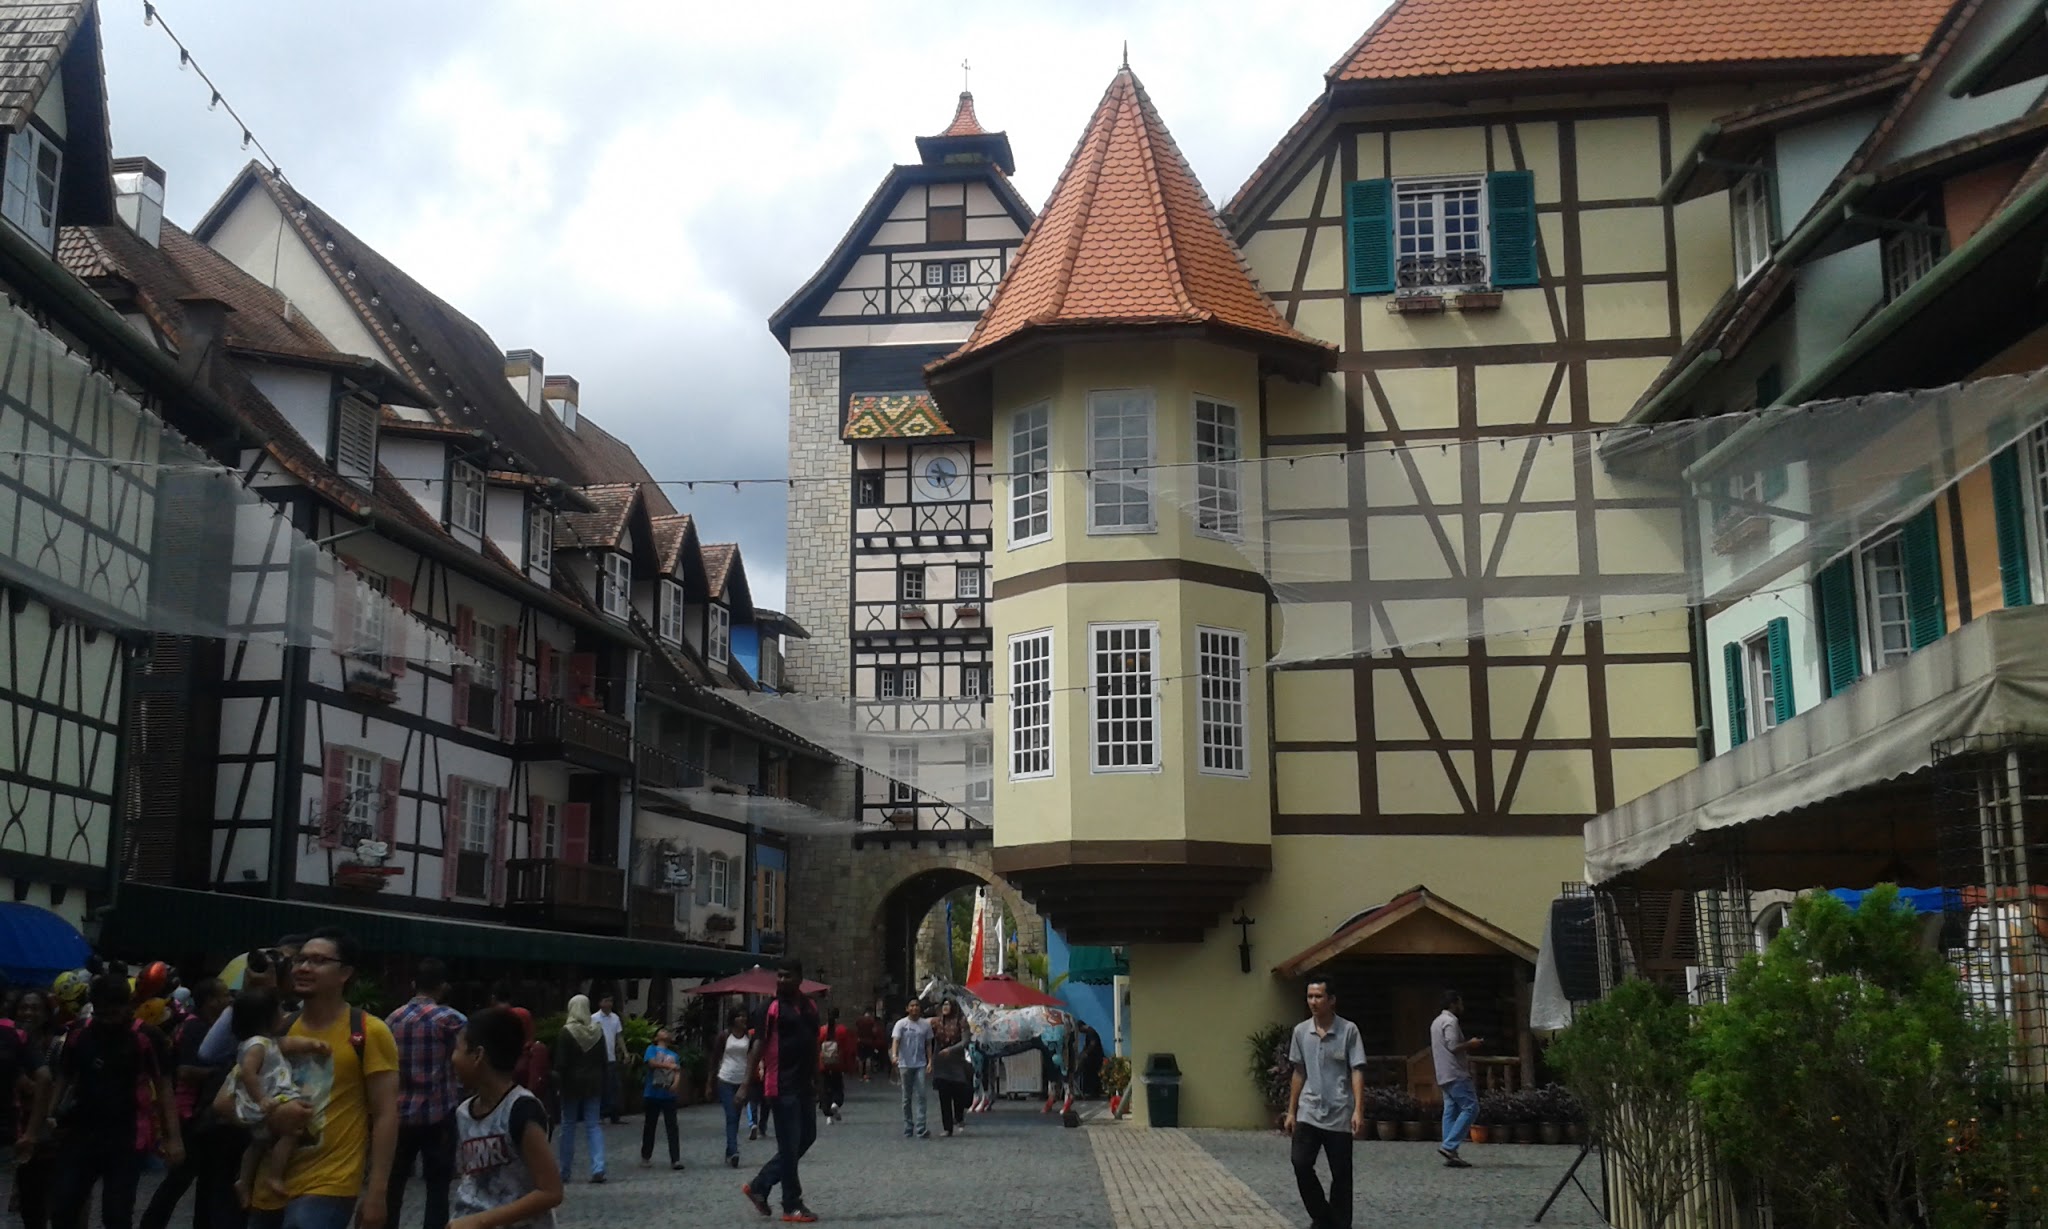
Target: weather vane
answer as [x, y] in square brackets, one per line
[964, 75]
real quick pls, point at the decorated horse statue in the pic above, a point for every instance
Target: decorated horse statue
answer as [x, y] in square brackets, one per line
[999, 1032]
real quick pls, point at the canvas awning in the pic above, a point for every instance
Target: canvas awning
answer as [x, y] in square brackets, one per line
[1849, 775]
[1096, 966]
[1415, 923]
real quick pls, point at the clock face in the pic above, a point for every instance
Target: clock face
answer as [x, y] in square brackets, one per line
[940, 474]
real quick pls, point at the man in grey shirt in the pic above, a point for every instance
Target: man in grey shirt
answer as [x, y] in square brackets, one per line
[1452, 1051]
[1325, 1105]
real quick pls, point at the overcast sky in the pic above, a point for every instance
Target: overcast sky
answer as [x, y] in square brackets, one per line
[630, 188]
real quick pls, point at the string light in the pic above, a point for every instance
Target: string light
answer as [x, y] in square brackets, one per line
[216, 100]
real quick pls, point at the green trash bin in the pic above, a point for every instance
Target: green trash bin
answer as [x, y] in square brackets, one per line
[1162, 1090]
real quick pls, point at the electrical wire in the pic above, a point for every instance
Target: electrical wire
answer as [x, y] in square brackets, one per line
[152, 17]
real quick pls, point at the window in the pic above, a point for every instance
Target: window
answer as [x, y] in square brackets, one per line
[360, 798]
[1749, 211]
[719, 646]
[1031, 705]
[867, 488]
[29, 198]
[1439, 232]
[770, 881]
[720, 892]
[484, 680]
[980, 773]
[1886, 614]
[945, 224]
[1120, 461]
[1030, 458]
[477, 811]
[671, 612]
[1122, 690]
[1762, 684]
[371, 613]
[547, 830]
[898, 682]
[910, 584]
[355, 440]
[614, 583]
[974, 681]
[902, 776]
[1910, 254]
[466, 497]
[967, 583]
[540, 539]
[1219, 667]
[1217, 502]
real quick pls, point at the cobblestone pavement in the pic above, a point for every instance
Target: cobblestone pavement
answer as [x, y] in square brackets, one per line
[1164, 1180]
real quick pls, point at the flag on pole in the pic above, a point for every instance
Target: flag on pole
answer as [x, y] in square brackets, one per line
[975, 953]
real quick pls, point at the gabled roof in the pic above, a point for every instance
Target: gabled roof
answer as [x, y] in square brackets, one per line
[672, 534]
[871, 416]
[966, 140]
[34, 39]
[1736, 140]
[1453, 38]
[604, 526]
[718, 561]
[1379, 931]
[1128, 241]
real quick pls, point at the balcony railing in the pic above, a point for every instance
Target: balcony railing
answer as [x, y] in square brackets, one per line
[651, 914]
[1458, 271]
[574, 727]
[567, 890]
[662, 770]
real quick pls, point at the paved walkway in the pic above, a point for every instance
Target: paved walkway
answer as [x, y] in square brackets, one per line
[1164, 1180]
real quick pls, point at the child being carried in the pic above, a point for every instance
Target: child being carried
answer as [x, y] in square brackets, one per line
[263, 1079]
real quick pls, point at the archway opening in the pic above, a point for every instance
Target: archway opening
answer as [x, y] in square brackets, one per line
[925, 924]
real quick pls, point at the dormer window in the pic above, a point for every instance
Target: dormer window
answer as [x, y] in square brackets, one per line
[671, 612]
[540, 539]
[466, 497]
[1910, 253]
[355, 440]
[719, 646]
[615, 583]
[29, 197]
[1749, 211]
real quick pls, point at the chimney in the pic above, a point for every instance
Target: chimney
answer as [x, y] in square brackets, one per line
[562, 395]
[139, 197]
[523, 369]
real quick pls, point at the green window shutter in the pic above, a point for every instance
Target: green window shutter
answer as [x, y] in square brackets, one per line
[1925, 604]
[1511, 202]
[1369, 230]
[2009, 510]
[1769, 386]
[1738, 707]
[1778, 637]
[1835, 589]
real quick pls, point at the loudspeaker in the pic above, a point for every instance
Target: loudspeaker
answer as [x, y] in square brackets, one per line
[1575, 944]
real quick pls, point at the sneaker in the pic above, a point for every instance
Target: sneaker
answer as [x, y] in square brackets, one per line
[597, 1179]
[676, 1165]
[646, 1162]
[907, 1132]
[753, 1133]
[1457, 1162]
[733, 1160]
[759, 1201]
[800, 1215]
[922, 1133]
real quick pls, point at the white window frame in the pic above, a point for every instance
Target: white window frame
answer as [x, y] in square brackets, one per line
[372, 616]
[719, 893]
[1872, 566]
[671, 614]
[902, 763]
[899, 682]
[1908, 256]
[2034, 471]
[615, 583]
[1749, 214]
[1031, 712]
[361, 791]
[1219, 491]
[718, 643]
[973, 682]
[29, 197]
[1113, 474]
[910, 586]
[980, 773]
[540, 539]
[466, 497]
[1030, 465]
[486, 643]
[547, 829]
[475, 818]
[967, 582]
[355, 440]
[1760, 693]
[1123, 704]
[1422, 207]
[770, 884]
[1222, 703]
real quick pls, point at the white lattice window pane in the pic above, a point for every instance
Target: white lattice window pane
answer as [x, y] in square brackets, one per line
[910, 584]
[361, 796]
[980, 766]
[1121, 674]
[1762, 700]
[1120, 461]
[934, 273]
[1031, 705]
[466, 497]
[721, 634]
[1030, 458]
[540, 539]
[1218, 500]
[1221, 701]
[902, 775]
[616, 584]
[1885, 602]
[367, 637]
[477, 814]
[967, 583]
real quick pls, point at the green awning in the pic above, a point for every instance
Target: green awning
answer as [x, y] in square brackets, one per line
[1096, 966]
[150, 921]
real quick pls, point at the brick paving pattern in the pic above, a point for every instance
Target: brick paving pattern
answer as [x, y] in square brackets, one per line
[1164, 1180]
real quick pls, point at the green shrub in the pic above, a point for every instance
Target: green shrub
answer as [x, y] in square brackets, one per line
[1268, 1064]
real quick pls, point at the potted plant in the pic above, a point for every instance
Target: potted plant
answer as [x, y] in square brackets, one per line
[1488, 1117]
[1549, 1112]
[1386, 1113]
[372, 684]
[1408, 1111]
[1269, 1067]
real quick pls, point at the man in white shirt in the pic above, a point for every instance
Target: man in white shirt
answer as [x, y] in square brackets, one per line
[910, 1047]
[613, 1028]
[1452, 1051]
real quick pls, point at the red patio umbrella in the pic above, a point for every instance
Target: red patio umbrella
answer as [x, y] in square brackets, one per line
[1003, 990]
[756, 980]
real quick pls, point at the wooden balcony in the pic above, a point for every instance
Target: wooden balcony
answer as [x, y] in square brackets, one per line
[576, 892]
[582, 735]
[651, 914]
[662, 770]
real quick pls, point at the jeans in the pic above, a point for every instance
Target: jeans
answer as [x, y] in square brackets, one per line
[915, 1086]
[611, 1091]
[953, 1101]
[666, 1112]
[82, 1162]
[728, 1099]
[434, 1144]
[583, 1110]
[1460, 1103]
[309, 1212]
[1334, 1210]
[213, 1160]
[796, 1129]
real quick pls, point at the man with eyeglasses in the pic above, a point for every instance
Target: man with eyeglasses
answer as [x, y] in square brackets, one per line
[353, 1092]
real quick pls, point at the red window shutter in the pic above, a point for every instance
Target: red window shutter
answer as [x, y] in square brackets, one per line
[781, 906]
[536, 826]
[334, 779]
[465, 635]
[387, 812]
[576, 832]
[508, 677]
[400, 594]
[501, 845]
[583, 678]
[344, 606]
[451, 835]
[546, 670]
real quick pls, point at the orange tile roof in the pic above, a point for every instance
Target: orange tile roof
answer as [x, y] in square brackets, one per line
[1128, 239]
[1447, 38]
[964, 122]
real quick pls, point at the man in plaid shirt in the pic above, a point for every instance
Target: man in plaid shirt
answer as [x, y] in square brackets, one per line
[425, 1030]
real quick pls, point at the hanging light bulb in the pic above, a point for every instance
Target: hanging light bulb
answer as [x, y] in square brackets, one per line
[246, 138]
[375, 301]
[148, 14]
[214, 103]
[184, 59]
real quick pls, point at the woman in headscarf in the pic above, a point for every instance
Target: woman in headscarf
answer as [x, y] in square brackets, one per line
[579, 1082]
[952, 1074]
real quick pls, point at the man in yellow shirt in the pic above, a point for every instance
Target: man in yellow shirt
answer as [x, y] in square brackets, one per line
[352, 1091]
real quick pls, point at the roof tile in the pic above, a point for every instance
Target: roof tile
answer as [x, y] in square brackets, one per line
[965, 123]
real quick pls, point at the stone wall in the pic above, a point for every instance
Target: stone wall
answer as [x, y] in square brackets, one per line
[819, 527]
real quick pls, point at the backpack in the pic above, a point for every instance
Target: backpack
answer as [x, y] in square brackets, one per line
[148, 1070]
[828, 1054]
[355, 1030]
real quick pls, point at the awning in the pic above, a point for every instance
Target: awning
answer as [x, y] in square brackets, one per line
[1415, 923]
[1096, 966]
[149, 920]
[36, 944]
[1988, 679]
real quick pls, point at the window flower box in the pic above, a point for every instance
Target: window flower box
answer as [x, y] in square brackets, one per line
[1740, 532]
[970, 610]
[373, 685]
[1416, 304]
[1480, 301]
[720, 923]
[915, 614]
[362, 877]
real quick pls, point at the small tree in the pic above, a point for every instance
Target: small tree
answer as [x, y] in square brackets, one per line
[1839, 1067]
[1630, 1059]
